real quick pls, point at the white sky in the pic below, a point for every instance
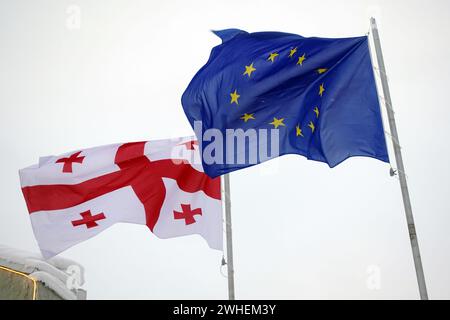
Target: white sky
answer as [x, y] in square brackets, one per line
[301, 230]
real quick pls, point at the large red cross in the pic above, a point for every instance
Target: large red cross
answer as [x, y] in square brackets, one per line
[187, 214]
[137, 171]
[67, 167]
[88, 219]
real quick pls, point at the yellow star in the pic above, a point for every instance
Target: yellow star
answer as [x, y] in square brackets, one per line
[311, 125]
[272, 56]
[298, 131]
[316, 111]
[321, 70]
[293, 51]
[248, 70]
[278, 122]
[321, 89]
[247, 117]
[234, 97]
[301, 59]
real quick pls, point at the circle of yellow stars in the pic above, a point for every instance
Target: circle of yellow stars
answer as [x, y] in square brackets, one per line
[279, 122]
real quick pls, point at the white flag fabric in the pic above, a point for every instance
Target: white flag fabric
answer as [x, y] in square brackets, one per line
[160, 183]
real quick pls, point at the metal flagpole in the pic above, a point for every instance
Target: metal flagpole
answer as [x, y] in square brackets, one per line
[230, 266]
[400, 168]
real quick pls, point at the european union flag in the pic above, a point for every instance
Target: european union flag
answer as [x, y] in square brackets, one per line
[319, 93]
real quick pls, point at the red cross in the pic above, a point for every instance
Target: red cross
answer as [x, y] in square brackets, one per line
[187, 214]
[88, 219]
[68, 161]
[136, 170]
[190, 144]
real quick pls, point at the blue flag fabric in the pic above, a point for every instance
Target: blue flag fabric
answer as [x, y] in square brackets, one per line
[320, 94]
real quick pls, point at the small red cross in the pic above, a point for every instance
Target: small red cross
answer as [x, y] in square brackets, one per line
[68, 161]
[187, 214]
[190, 144]
[88, 219]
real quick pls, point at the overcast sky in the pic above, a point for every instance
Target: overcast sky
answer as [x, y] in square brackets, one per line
[77, 74]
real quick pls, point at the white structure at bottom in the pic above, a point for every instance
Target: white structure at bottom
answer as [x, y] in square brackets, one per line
[25, 275]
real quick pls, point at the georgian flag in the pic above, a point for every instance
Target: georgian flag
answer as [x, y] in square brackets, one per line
[160, 183]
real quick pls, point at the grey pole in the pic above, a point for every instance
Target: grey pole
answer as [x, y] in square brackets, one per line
[230, 266]
[400, 168]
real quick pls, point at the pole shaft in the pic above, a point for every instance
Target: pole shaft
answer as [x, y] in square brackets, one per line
[400, 167]
[230, 266]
